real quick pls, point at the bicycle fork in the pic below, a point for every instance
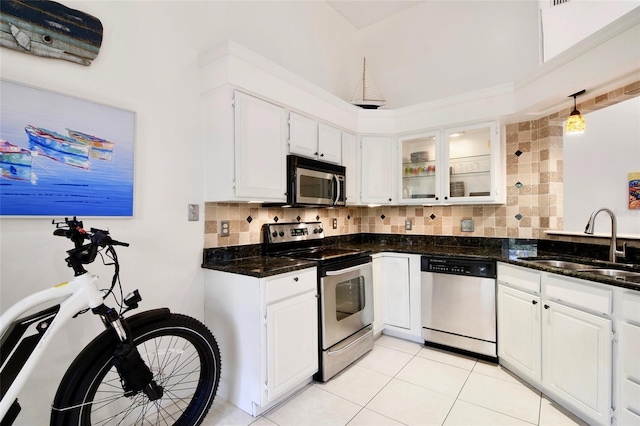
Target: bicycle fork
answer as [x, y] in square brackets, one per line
[134, 373]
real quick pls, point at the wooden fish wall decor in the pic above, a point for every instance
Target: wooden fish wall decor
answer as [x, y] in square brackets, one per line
[46, 28]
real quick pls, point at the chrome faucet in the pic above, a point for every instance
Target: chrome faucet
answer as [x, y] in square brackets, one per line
[613, 250]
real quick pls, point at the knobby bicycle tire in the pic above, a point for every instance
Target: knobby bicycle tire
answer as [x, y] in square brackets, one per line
[184, 358]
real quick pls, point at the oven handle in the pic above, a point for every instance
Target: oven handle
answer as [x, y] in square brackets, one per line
[337, 181]
[344, 271]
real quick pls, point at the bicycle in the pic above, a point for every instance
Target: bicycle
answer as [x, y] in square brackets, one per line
[153, 367]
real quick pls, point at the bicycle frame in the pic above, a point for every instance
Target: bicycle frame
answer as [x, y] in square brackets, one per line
[81, 293]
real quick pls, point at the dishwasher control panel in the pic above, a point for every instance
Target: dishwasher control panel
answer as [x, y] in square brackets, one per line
[459, 266]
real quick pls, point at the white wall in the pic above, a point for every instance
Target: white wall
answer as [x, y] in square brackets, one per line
[148, 64]
[439, 49]
[566, 24]
[596, 168]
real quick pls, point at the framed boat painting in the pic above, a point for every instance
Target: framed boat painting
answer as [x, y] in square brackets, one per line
[63, 156]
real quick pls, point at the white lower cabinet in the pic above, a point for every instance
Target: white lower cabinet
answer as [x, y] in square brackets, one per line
[556, 332]
[396, 295]
[267, 330]
[292, 343]
[395, 291]
[519, 330]
[576, 359]
[629, 355]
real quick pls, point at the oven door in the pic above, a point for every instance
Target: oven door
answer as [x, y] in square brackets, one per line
[346, 297]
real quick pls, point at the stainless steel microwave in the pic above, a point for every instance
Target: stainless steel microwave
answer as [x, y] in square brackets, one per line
[312, 183]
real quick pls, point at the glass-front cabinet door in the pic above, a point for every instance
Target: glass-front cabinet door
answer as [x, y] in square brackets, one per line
[472, 163]
[457, 165]
[420, 181]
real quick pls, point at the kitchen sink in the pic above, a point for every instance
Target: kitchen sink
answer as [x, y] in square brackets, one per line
[559, 264]
[615, 273]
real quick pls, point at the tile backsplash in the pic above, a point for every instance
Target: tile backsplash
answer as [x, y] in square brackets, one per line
[534, 190]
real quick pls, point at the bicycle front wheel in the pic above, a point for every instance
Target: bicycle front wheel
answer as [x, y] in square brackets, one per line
[184, 358]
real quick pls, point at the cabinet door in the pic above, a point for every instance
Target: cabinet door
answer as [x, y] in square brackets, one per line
[395, 291]
[472, 164]
[377, 170]
[519, 330]
[303, 137]
[292, 343]
[350, 162]
[577, 359]
[419, 182]
[329, 144]
[260, 149]
[378, 301]
[629, 348]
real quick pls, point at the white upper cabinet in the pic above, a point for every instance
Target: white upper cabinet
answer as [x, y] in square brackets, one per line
[350, 162]
[458, 165]
[329, 144]
[246, 148]
[377, 166]
[311, 139]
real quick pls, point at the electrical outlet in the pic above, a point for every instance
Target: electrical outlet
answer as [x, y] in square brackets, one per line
[466, 225]
[335, 223]
[224, 228]
[407, 224]
[194, 213]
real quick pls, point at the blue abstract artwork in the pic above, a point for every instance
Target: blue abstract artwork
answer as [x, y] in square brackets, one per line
[63, 156]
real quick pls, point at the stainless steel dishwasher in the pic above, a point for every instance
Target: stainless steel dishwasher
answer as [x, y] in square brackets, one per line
[459, 305]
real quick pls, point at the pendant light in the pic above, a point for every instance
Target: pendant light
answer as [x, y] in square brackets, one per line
[575, 122]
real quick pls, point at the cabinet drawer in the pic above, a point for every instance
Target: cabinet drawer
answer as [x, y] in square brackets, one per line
[630, 350]
[290, 284]
[631, 306]
[630, 398]
[522, 278]
[579, 293]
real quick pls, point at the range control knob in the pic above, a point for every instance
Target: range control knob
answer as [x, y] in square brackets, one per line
[281, 233]
[315, 231]
[320, 230]
[274, 234]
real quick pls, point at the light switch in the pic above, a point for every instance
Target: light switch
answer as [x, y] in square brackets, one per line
[335, 223]
[194, 213]
[407, 224]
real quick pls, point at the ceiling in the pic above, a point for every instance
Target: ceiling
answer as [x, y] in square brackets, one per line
[367, 12]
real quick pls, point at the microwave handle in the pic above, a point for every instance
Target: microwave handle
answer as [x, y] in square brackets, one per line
[337, 181]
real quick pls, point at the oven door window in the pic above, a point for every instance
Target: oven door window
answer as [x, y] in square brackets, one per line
[350, 298]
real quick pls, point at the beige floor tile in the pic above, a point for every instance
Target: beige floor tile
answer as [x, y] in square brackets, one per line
[411, 404]
[434, 375]
[356, 384]
[314, 406]
[369, 418]
[226, 414]
[512, 399]
[398, 344]
[446, 357]
[466, 414]
[551, 414]
[494, 370]
[384, 360]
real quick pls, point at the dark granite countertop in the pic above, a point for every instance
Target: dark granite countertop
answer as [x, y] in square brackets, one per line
[250, 260]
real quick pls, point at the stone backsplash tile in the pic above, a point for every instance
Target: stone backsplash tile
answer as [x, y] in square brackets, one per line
[533, 187]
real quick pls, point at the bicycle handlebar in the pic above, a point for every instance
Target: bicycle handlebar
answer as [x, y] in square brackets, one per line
[83, 253]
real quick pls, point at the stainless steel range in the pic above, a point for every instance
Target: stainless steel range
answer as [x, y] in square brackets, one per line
[345, 286]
